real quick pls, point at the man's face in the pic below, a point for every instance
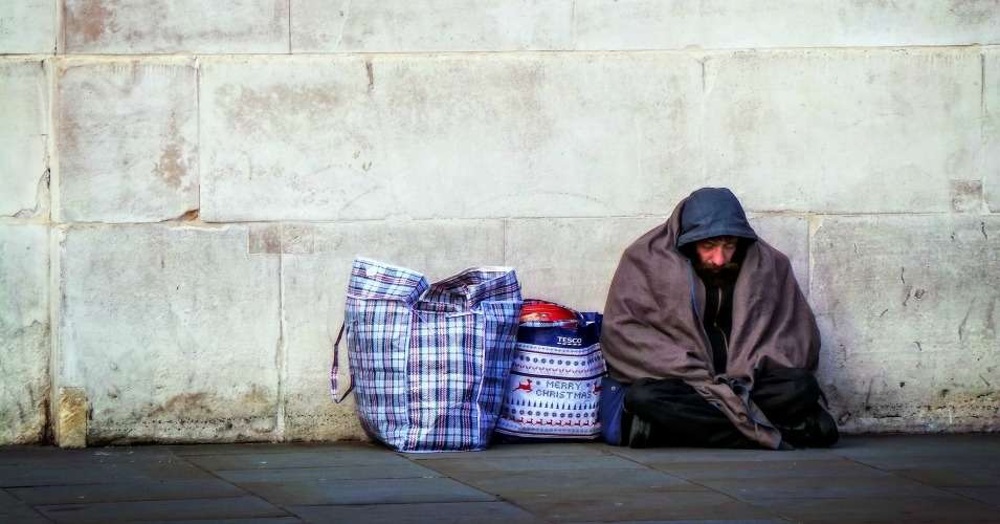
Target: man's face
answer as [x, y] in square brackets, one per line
[716, 254]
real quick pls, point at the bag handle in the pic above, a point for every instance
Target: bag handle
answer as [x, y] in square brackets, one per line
[335, 369]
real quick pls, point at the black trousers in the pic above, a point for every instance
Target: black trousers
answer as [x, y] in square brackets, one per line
[672, 413]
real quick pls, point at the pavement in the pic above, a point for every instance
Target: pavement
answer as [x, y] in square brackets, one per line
[901, 478]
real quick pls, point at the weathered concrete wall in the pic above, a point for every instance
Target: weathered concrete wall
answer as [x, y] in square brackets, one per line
[184, 185]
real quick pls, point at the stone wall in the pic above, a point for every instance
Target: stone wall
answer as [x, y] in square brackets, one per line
[185, 183]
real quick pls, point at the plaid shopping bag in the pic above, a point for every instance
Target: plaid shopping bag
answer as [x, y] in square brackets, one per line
[430, 362]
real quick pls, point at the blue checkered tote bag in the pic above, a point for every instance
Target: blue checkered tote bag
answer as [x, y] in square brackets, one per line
[430, 362]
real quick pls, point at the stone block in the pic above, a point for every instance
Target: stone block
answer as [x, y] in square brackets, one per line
[314, 291]
[72, 414]
[728, 24]
[175, 26]
[844, 131]
[571, 261]
[424, 25]
[172, 330]
[906, 305]
[991, 127]
[24, 332]
[128, 140]
[790, 235]
[23, 160]
[447, 136]
[28, 27]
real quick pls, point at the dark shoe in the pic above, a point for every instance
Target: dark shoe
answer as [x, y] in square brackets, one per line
[639, 432]
[818, 430]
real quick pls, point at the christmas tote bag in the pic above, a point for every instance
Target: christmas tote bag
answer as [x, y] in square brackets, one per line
[555, 383]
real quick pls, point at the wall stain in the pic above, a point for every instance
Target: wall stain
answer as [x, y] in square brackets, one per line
[171, 166]
[277, 108]
[974, 12]
[966, 195]
[185, 403]
[370, 71]
[91, 20]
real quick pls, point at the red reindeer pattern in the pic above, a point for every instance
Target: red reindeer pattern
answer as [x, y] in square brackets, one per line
[523, 386]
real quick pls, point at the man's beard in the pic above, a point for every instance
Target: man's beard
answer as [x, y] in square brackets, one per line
[717, 275]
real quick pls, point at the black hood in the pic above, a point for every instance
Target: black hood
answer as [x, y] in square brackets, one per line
[713, 212]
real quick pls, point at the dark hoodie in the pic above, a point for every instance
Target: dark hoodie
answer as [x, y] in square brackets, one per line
[708, 213]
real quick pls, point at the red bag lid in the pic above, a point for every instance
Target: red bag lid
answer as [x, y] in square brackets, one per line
[541, 311]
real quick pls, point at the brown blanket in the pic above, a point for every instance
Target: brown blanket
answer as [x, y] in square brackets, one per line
[652, 325]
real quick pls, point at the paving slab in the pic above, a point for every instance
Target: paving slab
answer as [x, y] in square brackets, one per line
[657, 456]
[265, 520]
[815, 488]
[127, 491]
[354, 449]
[297, 460]
[882, 509]
[23, 476]
[755, 471]
[404, 470]
[990, 494]
[641, 505]
[367, 491]
[523, 450]
[14, 510]
[239, 507]
[592, 483]
[487, 465]
[439, 513]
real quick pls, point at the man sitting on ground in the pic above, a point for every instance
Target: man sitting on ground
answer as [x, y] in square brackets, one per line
[709, 336]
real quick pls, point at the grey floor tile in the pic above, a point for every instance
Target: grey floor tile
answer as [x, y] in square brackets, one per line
[881, 509]
[377, 459]
[379, 491]
[382, 471]
[592, 483]
[733, 470]
[15, 511]
[524, 449]
[969, 444]
[35, 456]
[127, 491]
[700, 521]
[200, 509]
[486, 465]
[643, 506]
[319, 448]
[438, 513]
[988, 495]
[953, 475]
[824, 488]
[58, 473]
[664, 455]
[263, 520]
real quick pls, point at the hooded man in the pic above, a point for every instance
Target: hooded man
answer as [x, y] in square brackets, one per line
[708, 338]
